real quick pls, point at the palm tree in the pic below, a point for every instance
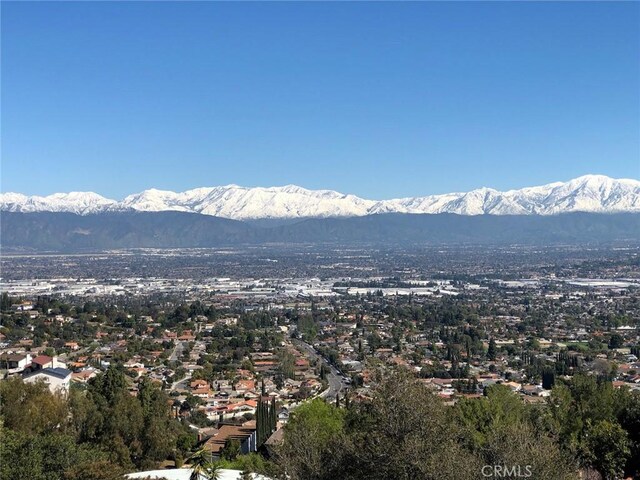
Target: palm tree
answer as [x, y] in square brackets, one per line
[215, 471]
[201, 465]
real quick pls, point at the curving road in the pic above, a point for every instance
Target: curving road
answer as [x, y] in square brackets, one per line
[334, 378]
[181, 384]
[177, 352]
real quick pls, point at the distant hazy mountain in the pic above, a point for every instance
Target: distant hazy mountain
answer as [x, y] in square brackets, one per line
[590, 193]
[111, 230]
[69, 232]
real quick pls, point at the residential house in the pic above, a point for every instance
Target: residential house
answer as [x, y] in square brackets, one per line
[58, 379]
[45, 361]
[15, 362]
[245, 434]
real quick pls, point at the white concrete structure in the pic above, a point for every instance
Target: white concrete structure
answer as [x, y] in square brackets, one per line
[58, 379]
[185, 473]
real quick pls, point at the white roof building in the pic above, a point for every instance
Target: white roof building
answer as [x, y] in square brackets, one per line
[185, 473]
[58, 379]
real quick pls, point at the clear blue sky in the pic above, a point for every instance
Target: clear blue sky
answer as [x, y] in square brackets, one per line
[378, 99]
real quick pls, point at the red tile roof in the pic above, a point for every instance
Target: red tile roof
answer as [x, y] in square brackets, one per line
[42, 360]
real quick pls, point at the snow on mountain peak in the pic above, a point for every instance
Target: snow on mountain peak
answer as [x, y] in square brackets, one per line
[81, 203]
[588, 193]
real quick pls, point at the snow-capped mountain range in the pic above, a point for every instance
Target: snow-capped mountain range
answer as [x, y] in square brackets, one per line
[589, 193]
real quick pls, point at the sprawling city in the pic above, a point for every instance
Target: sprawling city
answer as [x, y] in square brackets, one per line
[295, 240]
[474, 327]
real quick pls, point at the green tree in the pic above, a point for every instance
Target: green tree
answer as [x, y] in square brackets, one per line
[111, 384]
[202, 466]
[31, 407]
[492, 350]
[273, 415]
[311, 436]
[548, 378]
[577, 403]
[200, 463]
[616, 341]
[629, 419]
[607, 448]
[5, 302]
[52, 456]
[480, 417]
[160, 432]
[529, 449]
[404, 432]
[231, 449]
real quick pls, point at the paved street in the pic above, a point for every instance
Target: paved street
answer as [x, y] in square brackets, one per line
[177, 352]
[181, 384]
[334, 378]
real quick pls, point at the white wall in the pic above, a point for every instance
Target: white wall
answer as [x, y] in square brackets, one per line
[55, 384]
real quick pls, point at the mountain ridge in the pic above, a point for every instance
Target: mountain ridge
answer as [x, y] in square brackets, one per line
[62, 231]
[588, 193]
